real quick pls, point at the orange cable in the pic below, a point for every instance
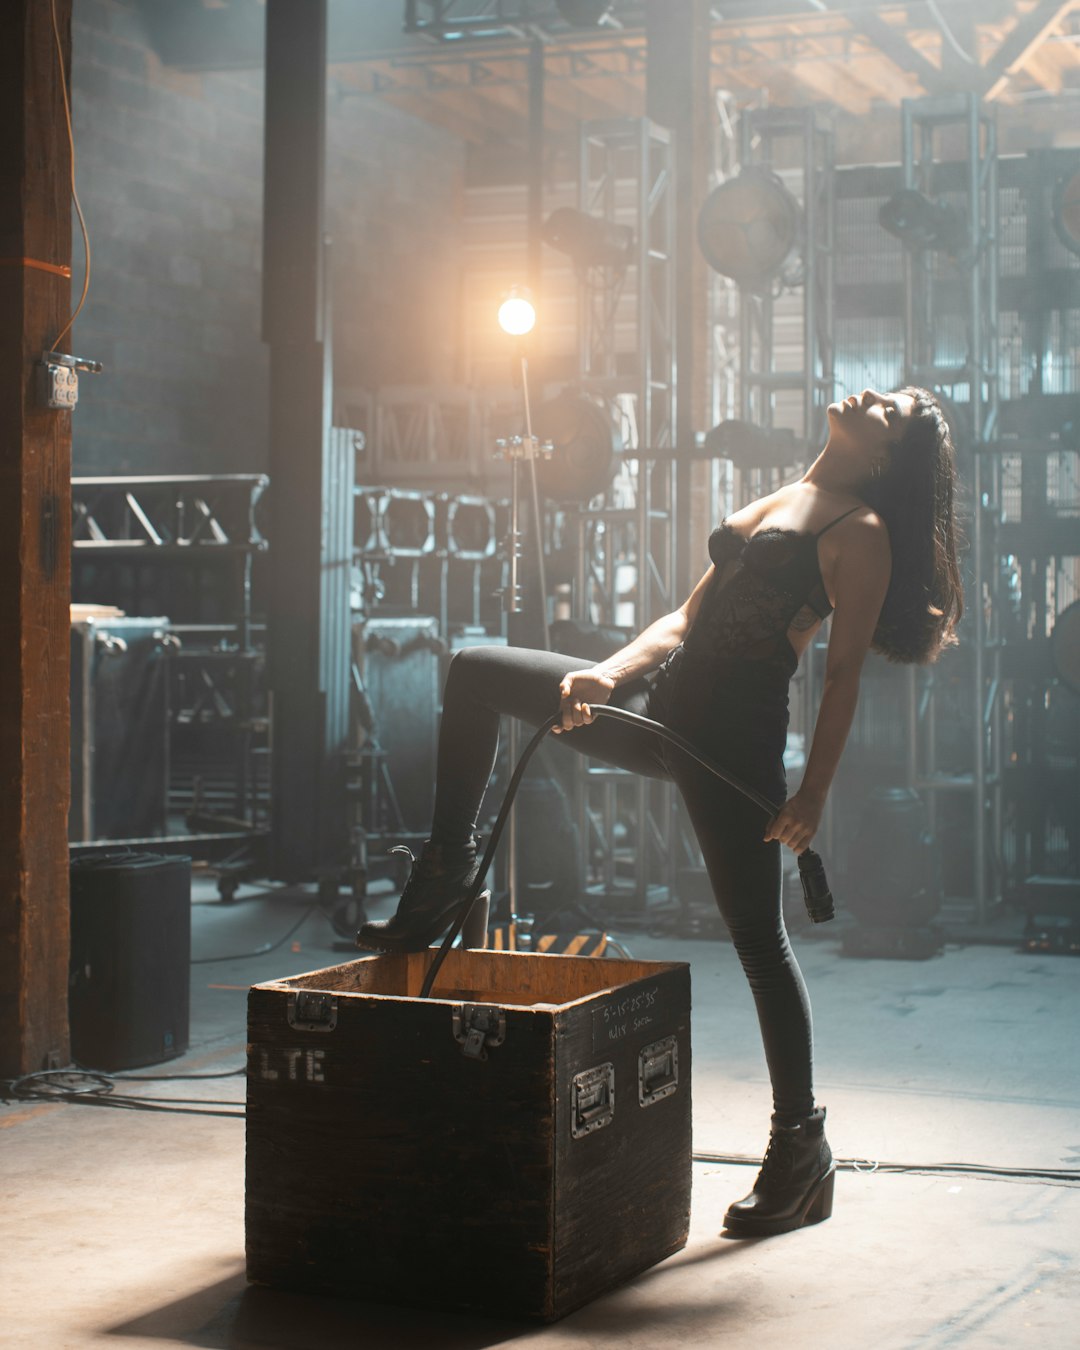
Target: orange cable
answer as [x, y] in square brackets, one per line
[74, 194]
[58, 268]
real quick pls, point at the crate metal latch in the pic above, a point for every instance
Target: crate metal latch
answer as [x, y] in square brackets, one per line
[478, 1026]
[312, 1010]
[592, 1100]
[658, 1071]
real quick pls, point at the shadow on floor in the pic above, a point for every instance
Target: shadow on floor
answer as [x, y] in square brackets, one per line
[233, 1315]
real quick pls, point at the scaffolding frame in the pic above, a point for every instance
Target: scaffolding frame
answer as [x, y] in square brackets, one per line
[634, 526]
[972, 382]
[802, 139]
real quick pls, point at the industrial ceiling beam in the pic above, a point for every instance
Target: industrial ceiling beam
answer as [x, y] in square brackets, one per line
[892, 43]
[1029, 34]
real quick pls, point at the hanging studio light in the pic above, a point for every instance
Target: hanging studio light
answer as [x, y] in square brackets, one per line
[918, 222]
[1066, 210]
[586, 442]
[749, 227]
[588, 240]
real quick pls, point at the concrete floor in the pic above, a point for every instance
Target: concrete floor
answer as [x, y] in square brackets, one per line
[129, 1225]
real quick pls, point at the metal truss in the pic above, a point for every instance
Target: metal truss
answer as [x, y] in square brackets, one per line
[627, 178]
[954, 350]
[416, 432]
[767, 138]
[772, 383]
[626, 361]
[118, 515]
[456, 20]
[440, 551]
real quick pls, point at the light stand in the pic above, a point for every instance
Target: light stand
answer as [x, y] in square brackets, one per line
[518, 317]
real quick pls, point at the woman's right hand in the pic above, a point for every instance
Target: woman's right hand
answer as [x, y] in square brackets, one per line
[577, 693]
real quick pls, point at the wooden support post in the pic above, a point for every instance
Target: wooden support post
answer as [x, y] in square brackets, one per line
[35, 543]
[678, 96]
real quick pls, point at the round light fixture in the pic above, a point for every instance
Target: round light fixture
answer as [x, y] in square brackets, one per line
[586, 442]
[749, 227]
[1066, 210]
[517, 314]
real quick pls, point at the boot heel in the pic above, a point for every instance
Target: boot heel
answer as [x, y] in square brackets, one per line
[821, 1206]
[474, 931]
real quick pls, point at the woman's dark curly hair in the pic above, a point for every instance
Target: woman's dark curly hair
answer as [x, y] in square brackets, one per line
[915, 498]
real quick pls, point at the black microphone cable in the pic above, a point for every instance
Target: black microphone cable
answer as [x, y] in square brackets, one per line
[816, 893]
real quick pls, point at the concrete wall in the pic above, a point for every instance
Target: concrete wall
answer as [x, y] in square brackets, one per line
[169, 171]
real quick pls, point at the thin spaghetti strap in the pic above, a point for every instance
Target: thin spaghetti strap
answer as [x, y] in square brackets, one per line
[837, 521]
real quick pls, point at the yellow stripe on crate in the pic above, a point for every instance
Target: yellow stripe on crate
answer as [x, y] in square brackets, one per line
[575, 945]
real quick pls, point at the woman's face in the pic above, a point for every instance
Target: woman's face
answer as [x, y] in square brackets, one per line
[871, 421]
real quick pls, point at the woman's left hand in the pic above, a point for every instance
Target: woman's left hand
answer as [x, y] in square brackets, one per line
[797, 822]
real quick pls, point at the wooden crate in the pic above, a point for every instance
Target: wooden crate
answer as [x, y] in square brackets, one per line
[516, 1145]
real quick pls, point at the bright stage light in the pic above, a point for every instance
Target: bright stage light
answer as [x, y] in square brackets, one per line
[517, 315]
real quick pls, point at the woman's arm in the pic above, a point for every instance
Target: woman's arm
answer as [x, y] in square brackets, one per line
[644, 653]
[861, 579]
[652, 645]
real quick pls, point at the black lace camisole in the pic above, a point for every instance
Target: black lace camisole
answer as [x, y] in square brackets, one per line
[765, 586]
[726, 685]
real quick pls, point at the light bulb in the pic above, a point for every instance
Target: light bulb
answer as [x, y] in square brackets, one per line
[517, 316]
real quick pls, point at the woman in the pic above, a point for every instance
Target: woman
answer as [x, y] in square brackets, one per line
[868, 534]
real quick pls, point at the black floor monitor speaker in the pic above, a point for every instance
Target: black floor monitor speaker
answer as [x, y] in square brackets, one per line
[130, 959]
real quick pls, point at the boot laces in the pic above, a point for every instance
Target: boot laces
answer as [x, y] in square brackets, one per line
[779, 1160]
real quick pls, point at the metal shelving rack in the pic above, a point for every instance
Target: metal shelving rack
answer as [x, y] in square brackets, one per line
[184, 519]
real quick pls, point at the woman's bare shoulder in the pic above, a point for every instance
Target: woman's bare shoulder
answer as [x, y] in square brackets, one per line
[859, 541]
[858, 544]
[864, 522]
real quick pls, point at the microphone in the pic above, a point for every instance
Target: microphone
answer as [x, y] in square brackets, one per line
[815, 887]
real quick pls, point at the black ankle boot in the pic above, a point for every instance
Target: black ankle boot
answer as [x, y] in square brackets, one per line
[795, 1184]
[438, 882]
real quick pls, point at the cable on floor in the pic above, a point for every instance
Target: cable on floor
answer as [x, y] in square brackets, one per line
[865, 1165]
[92, 1088]
[261, 951]
[96, 1088]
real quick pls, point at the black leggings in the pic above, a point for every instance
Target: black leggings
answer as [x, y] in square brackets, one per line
[744, 871]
